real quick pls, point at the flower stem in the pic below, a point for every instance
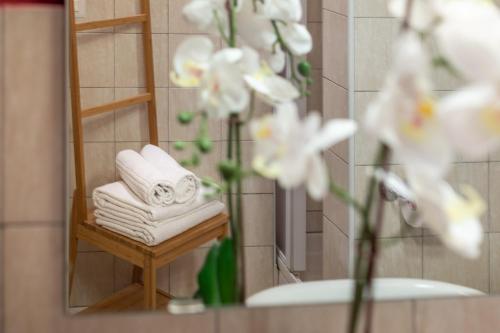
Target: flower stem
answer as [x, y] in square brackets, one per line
[343, 195]
[362, 267]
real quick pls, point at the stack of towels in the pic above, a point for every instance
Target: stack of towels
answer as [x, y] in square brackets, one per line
[157, 198]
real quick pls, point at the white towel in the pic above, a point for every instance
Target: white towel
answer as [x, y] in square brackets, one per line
[118, 198]
[144, 179]
[154, 235]
[186, 184]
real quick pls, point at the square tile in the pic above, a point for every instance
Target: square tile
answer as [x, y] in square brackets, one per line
[335, 52]
[132, 122]
[259, 263]
[335, 105]
[96, 58]
[335, 209]
[373, 51]
[177, 23]
[373, 8]
[258, 219]
[400, 258]
[316, 55]
[494, 263]
[314, 258]
[315, 221]
[338, 6]
[494, 196]
[335, 252]
[129, 61]
[441, 264]
[99, 10]
[100, 128]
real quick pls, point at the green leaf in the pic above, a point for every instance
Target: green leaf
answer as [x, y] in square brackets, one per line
[227, 272]
[208, 279]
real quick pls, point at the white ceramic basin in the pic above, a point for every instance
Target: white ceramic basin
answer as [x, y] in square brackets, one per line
[340, 291]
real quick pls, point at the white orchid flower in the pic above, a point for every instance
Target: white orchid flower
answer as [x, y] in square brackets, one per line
[191, 61]
[218, 75]
[469, 38]
[256, 30]
[289, 150]
[223, 89]
[423, 13]
[404, 114]
[260, 77]
[209, 15]
[284, 10]
[471, 117]
[454, 217]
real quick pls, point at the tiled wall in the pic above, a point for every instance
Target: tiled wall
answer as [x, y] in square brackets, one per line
[335, 76]
[413, 252]
[32, 232]
[314, 255]
[111, 68]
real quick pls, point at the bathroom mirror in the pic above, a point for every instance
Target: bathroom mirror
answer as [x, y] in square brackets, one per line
[121, 56]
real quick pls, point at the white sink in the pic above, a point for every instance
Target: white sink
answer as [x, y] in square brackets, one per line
[340, 291]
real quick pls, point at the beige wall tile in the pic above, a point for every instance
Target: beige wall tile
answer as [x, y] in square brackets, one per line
[160, 60]
[316, 55]
[33, 271]
[443, 265]
[373, 51]
[373, 8]
[162, 113]
[400, 257]
[494, 196]
[365, 145]
[99, 10]
[259, 263]
[181, 100]
[132, 122]
[335, 105]
[258, 219]
[176, 22]
[334, 208]
[96, 56]
[129, 61]
[338, 6]
[159, 15]
[314, 258]
[315, 221]
[313, 205]
[335, 62]
[32, 115]
[314, 10]
[335, 252]
[94, 278]
[494, 249]
[315, 100]
[99, 128]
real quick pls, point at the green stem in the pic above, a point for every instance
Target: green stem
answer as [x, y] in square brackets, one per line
[343, 195]
[360, 274]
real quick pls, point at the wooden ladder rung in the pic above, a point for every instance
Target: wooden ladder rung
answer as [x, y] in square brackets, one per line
[111, 22]
[143, 98]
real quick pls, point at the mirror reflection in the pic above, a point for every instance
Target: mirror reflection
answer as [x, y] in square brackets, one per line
[223, 152]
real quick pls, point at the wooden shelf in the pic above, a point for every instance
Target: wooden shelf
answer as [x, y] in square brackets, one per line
[128, 299]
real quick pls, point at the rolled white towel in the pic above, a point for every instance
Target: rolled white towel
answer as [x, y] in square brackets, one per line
[186, 184]
[144, 179]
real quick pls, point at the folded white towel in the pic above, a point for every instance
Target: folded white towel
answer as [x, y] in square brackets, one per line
[147, 182]
[118, 198]
[154, 235]
[186, 184]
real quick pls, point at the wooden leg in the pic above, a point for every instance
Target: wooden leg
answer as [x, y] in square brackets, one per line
[136, 274]
[149, 283]
[73, 244]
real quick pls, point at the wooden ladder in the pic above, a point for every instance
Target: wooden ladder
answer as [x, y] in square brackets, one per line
[145, 259]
